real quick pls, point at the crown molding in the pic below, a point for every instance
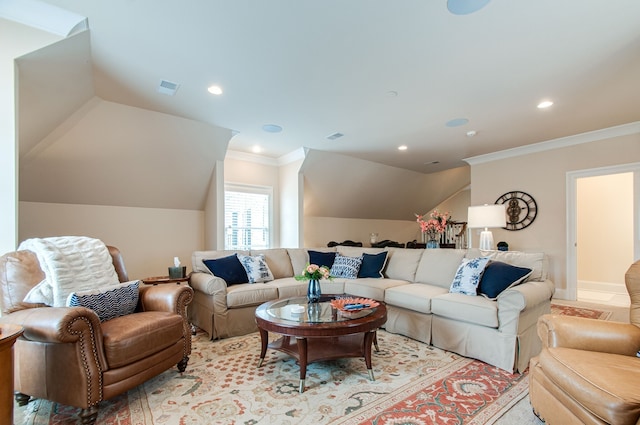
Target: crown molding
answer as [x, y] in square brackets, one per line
[265, 160]
[562, 142]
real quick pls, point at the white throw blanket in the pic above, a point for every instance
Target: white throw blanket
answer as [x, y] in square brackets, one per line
[71, 264]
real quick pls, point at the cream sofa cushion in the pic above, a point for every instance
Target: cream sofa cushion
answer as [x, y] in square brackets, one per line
[249, 294]
[439, 266]
[402, 263]
[370, 287]
[464, 308]
[413, 296]
[536, 261]
[278, 261]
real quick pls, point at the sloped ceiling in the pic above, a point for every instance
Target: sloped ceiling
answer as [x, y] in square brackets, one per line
[112, 154]
[319, 67]
[341, 186]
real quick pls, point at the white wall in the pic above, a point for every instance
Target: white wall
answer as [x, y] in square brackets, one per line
[149, 238]
[542, 174]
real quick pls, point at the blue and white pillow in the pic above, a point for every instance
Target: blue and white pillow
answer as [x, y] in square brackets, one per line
[468, 276]
[346, 267]
[256, 268]
[110, 302]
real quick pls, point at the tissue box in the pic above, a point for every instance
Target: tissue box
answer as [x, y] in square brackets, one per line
[177, 272]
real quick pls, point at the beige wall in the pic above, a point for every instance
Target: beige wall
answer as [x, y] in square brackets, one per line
[604, 227]
[543, 175]
[15, 40]
[149, 238]
[318, 231]
[256, 174]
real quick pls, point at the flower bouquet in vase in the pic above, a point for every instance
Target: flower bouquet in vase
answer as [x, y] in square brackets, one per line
[313, 273]
[432, 227]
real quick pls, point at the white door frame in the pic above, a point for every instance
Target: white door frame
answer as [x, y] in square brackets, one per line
[572, 228]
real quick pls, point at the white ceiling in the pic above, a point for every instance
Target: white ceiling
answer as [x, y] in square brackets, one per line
[320, 67]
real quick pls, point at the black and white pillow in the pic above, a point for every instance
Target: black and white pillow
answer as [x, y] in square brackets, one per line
[346, 267]
[110, 302]
[256, 268]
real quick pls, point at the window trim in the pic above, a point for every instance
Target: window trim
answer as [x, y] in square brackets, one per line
[253, 189]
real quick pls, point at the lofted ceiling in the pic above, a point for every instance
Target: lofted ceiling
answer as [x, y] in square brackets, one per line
[382, 73]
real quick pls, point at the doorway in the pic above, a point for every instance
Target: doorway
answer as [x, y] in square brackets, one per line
[603, 232]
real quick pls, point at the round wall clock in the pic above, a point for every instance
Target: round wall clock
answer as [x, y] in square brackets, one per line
[521, 209]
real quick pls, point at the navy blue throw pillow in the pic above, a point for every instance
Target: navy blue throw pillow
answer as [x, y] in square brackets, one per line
[499, 276]
[373, 264]
[228, 268]
[322, 258]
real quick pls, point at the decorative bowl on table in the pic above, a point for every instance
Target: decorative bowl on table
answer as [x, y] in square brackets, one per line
[353, 304]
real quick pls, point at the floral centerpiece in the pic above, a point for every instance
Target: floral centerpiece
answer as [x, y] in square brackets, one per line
[313, 273]
[432, 227]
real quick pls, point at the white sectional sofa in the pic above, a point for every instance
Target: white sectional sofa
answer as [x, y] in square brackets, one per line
[415, 288]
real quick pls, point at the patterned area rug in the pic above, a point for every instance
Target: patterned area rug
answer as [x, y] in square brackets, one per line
[580, 311]
[415, 385]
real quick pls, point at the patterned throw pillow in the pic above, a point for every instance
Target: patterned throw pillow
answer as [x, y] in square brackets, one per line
[256, 268]
[468, 276]
[346, 267]
[110, 302]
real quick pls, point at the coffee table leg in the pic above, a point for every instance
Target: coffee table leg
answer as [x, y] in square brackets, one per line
[302, 353]
[368, 339]
[375, 341]
[264, 341]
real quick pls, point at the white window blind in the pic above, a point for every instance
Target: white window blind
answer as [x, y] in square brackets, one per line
[247, 217]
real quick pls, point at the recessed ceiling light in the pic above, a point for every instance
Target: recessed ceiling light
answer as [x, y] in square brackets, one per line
[272, 128]
[392, 93]
[471, 133]
[544, 104]
[465, 7]
[217, 90]
[256, 149]
[456, 122]
[335, 136]
[402, 148]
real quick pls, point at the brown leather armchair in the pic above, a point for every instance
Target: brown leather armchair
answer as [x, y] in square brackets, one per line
[68, 356]
[587, 371]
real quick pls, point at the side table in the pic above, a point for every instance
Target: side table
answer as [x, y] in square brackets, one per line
[8, 336]
[158, 280]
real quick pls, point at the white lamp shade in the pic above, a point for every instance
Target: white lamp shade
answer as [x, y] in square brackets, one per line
[486, 216]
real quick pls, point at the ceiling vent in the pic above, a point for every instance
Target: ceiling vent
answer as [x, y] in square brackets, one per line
[168, 88]
[335, 136]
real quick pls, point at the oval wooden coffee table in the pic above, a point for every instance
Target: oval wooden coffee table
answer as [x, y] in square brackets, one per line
[320, 332]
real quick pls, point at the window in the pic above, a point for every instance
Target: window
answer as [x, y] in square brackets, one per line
[247, 217]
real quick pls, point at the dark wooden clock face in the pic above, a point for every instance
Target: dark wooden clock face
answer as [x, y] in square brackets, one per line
[521, 209]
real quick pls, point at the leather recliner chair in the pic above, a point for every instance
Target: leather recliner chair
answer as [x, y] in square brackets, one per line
[68, 356]
[587, 371]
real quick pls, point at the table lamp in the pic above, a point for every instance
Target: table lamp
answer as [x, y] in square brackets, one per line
[486, 216]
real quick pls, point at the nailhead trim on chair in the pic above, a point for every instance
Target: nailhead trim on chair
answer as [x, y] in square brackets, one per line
[85, 361]
[181, 307]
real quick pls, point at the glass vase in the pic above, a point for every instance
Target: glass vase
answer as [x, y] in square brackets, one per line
[313, 291]
[433, 243]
